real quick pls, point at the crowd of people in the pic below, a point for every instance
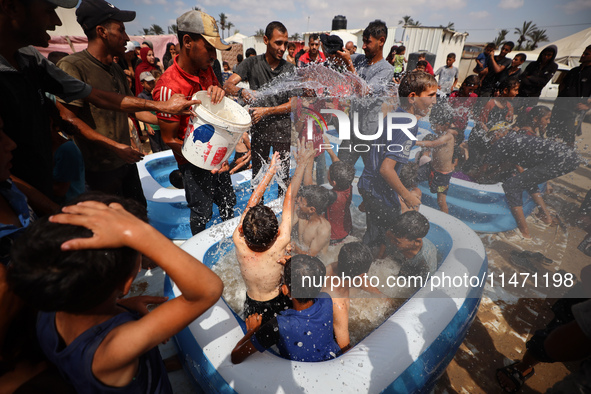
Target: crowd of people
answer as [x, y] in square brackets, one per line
[66, 323]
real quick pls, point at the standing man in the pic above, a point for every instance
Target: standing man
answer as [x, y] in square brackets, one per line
[494, 66]
[378, 74]
[192, 72]
[271, 122]
[568, 113]
[352, 49]
[25, 74]
[313, 55]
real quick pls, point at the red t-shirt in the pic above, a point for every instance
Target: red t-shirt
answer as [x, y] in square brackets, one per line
[339, 214]
[305, 58]
[176, 80]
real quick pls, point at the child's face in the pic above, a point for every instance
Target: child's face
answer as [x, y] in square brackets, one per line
[511, 92]
[450, 61]
[423, 102]
[467, 90]
[489, 51]
[304, 211]
[420, 68]
[543, 122]
[226, 67]
[149, 85]
[517, 61]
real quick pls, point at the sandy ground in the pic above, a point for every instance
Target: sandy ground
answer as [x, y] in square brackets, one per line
[505, 320]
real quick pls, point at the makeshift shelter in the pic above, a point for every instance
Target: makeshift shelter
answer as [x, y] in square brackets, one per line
[570, 48]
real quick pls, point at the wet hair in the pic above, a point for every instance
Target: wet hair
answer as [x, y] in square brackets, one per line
[377, 29]
[260, 228]
[522, 56]
[430, 137]
[156, 73]
[417, 82]
[313, 37]
[408, 173]
[510, 44]
[527, 118]
[508, 83]
[422, 63]
[75, 281]
[354, 259]
[271, 27]
[291, 45]
[410, 225]
[342, 174]
[176, 179]
[239, 58]
[490, 45]
[304, 275]
[56, 56]
[250, 52]
[441, 113]
[471, 80]
[318, 197]
[451, 55]
[400, 49]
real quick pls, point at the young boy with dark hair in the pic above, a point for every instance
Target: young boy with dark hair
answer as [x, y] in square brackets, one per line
[74, 267]
[379, 184]
[261, 242]
[418, 255]
[428, 67]
[313, 228]
[481, 62]
[448, 75]
[441, 167]
[304, 333]
[354, 259]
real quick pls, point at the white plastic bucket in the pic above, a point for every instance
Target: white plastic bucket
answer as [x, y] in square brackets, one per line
[213, 134]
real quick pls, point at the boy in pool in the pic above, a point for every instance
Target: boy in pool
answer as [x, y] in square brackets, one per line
[304, 333]
[441, 166]
[354, 260]
[260, 243]
[417, 254]
[74, 266]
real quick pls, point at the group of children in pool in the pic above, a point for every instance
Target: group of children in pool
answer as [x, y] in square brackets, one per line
[77, 266]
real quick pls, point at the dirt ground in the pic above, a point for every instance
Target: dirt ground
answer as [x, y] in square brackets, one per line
[503, 324]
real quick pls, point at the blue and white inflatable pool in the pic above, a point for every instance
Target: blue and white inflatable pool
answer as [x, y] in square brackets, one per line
[406, 353]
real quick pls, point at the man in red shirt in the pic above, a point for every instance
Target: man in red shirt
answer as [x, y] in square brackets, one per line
[313, 55]
[191, 72]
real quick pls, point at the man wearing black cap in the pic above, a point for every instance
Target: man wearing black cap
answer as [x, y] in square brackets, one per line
[105, 170]
[25, 74]
[190, 73]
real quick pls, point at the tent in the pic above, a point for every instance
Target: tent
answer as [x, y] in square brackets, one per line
[570, 48]
[236, 38]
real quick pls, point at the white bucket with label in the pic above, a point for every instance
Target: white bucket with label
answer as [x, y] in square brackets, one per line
[213, 134]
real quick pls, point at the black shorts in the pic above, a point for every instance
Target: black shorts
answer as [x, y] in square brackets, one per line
[438, 182]
[267, 309]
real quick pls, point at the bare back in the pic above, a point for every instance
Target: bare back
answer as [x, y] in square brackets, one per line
[314, 235]
[442, 155]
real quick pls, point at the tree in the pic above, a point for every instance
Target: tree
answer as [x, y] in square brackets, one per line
[450, 26]
[526, 30]
[259, 33]
[501, 37]
[145, 32]
[229, 25]
[296, 37]
[536, 37]
[223, 20]
[406, 20]
[196, 9]
[157, 30]
[173, 29]
[415, 23]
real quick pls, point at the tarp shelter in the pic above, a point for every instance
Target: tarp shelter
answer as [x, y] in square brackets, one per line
[570, 48]
[236, 38]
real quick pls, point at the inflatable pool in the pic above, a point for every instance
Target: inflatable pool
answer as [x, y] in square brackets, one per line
[167, 206]
[406, 353]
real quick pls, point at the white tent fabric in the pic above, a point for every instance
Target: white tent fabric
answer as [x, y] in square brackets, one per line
[70, 27]
[570, 48]
[237, 38]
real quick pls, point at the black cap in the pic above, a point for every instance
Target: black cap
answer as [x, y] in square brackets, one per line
[331, 44]
[91, 13]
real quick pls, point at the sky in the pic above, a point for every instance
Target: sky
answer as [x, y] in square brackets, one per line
[482, 19]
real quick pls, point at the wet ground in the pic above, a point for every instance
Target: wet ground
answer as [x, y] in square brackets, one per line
[505, 319]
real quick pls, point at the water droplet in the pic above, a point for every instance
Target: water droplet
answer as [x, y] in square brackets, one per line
[300, 344]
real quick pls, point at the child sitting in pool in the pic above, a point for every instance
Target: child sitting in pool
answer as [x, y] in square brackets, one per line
[354, 260]
[74, 267]
[260, 243]
[418, 255]
[340, 177]
[441, 166]
[304, 333]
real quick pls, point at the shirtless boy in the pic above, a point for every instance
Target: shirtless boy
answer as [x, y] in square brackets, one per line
[261, 241]
[443, 148]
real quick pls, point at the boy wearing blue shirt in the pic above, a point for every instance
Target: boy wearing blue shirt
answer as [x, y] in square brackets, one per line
[304, 333]
[379, 184]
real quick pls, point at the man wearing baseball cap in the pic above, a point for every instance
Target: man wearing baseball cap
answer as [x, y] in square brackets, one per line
[191, 72]
[106, 170]
[25, 74]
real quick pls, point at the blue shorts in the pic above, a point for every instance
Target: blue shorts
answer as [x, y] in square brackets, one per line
[439, 182]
